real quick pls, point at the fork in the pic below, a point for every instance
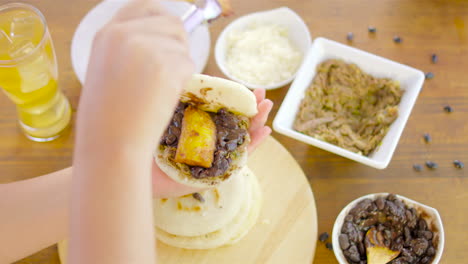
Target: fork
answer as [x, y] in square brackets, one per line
[201, 11]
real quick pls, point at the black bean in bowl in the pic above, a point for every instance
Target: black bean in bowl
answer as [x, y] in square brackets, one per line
[406, 231]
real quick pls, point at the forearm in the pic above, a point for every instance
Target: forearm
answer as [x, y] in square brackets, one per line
[138, 66]
[112, 219]
[35, 214]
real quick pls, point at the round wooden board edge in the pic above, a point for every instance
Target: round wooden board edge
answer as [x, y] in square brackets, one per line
[273, 143]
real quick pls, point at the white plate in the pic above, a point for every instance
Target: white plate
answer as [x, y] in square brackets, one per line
[411, 81]
[104, 11]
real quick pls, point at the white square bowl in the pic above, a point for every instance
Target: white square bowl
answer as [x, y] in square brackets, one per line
[411, 81]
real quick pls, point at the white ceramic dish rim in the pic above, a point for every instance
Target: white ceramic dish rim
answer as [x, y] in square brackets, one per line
[432, 214]
[76, 56]
[303, 70]
[254, 16]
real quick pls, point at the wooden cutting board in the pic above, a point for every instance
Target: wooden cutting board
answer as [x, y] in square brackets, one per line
[286, 231]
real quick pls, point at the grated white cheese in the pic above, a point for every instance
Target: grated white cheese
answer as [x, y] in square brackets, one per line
[261, 54]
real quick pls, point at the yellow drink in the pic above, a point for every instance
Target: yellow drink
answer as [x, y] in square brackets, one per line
[28, 72]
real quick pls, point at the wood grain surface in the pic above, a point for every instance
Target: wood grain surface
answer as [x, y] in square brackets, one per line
[426, 27]
[286, 228]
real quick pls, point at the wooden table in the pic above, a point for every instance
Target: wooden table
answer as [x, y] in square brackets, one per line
[426, 27]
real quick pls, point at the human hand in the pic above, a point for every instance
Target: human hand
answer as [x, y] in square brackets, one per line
[138, 66]
[164, 187]
[258, 130]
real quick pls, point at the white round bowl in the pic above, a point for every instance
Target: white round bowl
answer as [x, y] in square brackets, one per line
[298, 33]
[430, 214]
[102, 13]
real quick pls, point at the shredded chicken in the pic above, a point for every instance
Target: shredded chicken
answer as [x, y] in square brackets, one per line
[347, 107]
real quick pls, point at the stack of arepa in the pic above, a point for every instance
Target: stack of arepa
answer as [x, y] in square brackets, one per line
[205, 146]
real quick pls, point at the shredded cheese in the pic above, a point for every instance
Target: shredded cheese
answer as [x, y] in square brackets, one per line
[262, 54]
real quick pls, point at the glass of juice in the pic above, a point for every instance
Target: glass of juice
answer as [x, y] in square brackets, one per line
[28, 72]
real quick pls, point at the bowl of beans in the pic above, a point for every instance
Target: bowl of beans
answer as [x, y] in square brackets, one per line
[387, 228]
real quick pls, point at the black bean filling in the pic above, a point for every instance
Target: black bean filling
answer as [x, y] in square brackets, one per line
[198, 197]
[229, 136]
[402, 228]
